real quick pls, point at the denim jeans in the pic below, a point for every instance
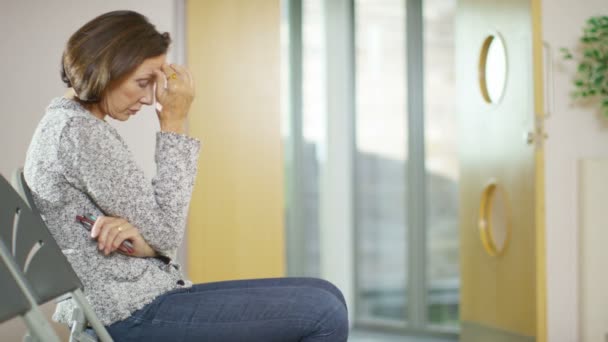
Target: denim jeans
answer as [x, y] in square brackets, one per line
[265, 310]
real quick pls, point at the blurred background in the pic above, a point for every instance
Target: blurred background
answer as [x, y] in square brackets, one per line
[333, 139]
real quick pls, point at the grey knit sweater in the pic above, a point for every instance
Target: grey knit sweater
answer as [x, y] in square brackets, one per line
[78, 164]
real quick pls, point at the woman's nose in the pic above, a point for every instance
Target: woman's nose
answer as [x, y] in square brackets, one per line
[148, 98]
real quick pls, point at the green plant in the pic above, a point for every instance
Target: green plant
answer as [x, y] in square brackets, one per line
[592, 73]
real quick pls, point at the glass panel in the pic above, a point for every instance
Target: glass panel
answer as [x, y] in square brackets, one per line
[380, 160]
[441, 153]
[493, 68]
[494, 219]
[313, 128]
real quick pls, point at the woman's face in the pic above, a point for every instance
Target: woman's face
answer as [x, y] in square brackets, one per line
[137, 89]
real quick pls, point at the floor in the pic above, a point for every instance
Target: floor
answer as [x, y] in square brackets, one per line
[362, 336]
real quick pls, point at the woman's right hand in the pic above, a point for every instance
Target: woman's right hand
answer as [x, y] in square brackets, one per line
[111, 232]
[175, 98]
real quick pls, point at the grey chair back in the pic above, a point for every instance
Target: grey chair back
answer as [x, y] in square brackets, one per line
[52, 275]
[17, 294]
[33, 248]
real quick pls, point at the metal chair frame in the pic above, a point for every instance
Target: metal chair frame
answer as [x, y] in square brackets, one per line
[35, 260]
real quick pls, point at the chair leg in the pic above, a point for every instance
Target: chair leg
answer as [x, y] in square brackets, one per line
[38, 327]
[79, 325]
[92, 319]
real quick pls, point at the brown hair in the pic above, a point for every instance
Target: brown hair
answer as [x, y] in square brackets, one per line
[108, 48]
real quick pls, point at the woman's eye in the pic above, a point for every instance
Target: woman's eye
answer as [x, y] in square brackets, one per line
[143, 84]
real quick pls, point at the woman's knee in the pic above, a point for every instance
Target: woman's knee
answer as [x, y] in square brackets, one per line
[339, 321]
[327, 286]
[333, 320]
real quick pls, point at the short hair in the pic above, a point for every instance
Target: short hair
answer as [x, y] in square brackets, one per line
[108, 48]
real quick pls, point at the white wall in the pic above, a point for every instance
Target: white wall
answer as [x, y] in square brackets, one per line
[33, 35]
[575, 132]
[593, 276]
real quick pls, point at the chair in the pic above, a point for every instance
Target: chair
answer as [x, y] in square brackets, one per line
[17, 302]
[43, 272]
[14, 302]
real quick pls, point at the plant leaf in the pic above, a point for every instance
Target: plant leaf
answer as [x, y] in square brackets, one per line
[598, 81]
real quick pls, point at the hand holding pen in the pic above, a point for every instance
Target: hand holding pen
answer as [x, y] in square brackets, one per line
[88, 221]
[114, 233]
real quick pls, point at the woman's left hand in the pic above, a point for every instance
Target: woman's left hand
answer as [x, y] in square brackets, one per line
[111, 232]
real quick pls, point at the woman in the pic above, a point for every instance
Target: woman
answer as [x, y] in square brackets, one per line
[77, 164]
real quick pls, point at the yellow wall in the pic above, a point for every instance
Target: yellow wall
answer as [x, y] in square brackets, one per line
[236, 217]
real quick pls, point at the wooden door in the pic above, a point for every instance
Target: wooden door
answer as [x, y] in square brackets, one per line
[501, 160]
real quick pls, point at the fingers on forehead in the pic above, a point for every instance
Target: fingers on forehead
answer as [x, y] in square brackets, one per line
[166, 68]
[179, 69]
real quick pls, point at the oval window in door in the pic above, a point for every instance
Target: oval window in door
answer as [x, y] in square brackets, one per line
[494, 219]
[493, 68]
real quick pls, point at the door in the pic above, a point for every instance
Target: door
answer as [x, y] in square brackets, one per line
[501, 160]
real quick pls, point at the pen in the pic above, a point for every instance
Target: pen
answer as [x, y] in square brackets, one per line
[88, 221]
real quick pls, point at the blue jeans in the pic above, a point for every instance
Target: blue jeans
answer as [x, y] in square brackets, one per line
[266, 310]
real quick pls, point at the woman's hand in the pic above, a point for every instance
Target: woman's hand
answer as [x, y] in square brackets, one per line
[175, 98]
[111, 232]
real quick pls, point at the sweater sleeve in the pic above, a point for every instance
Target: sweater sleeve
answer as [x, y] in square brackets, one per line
[97, 161]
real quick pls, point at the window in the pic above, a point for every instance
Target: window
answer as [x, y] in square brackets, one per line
[441, 164]
[380, 160]
[404, 167]
[305, 133]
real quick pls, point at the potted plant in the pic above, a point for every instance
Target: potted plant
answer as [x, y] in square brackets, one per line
[591, 79]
